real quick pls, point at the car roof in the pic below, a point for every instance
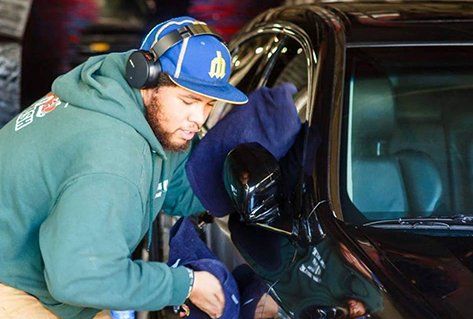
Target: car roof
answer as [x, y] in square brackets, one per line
[396, 21]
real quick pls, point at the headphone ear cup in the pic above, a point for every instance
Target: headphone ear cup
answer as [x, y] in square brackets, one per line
[139, 67]
[154, 70]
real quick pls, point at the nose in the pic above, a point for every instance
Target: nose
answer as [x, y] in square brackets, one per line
[199, 113]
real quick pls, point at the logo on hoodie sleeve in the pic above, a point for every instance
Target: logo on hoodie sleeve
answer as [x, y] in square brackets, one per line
[42, 107]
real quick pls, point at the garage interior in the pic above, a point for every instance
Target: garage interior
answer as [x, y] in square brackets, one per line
[31, 56]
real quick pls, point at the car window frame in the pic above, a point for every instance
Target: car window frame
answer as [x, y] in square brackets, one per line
[283, 28]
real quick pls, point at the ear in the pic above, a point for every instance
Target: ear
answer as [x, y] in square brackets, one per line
[147, 95]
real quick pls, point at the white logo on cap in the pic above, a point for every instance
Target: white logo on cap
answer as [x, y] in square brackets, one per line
[217, 66]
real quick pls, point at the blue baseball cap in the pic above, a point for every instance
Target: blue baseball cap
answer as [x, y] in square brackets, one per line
[200, 63]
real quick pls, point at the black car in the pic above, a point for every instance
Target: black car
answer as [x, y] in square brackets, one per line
[379, 221]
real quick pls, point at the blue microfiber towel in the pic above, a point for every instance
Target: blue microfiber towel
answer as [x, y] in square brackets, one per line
[185, 243]
[269, 118]
[187, 249]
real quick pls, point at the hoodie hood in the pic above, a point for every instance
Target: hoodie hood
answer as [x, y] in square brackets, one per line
[99, 85]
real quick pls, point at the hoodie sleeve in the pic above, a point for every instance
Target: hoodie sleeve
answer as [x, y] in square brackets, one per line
[86, 243]
[180, 199]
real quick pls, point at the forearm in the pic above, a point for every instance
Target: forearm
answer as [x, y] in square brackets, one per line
[124, 284]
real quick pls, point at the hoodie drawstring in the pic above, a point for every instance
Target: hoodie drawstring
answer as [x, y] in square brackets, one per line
[151, 204]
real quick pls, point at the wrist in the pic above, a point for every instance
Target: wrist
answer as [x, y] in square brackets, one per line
[191, 281]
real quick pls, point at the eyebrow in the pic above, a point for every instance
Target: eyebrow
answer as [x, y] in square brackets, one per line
[190, 96]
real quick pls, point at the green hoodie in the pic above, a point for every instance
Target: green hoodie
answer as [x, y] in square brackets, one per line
[78, 169]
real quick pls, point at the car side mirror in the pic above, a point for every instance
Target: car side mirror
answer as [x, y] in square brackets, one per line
[252, 178]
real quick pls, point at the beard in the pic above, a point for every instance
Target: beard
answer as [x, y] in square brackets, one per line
[155, 118]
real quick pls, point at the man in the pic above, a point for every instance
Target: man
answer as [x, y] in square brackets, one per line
[85, 170]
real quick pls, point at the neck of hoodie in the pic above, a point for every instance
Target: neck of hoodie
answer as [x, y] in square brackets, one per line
[99, 85]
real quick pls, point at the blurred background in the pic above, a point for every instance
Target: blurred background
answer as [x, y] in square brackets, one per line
[41, 39]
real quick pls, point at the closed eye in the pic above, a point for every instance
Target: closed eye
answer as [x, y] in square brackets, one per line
[186, 102]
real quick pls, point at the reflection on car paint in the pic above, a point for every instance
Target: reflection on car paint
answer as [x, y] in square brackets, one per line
[321, 276]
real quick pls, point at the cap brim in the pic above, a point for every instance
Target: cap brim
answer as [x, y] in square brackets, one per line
[227, 93]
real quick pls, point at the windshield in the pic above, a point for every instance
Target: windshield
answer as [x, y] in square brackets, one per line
[408, 130]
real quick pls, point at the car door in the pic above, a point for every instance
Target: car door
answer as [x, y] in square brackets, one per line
[308, 273]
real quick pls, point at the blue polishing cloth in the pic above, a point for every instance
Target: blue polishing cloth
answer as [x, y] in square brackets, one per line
[185, 243]
[187, 249]
[269, 118]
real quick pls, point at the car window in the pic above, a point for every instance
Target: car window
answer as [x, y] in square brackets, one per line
[267, 59]
[408, 150]
[291, 65]
[249, 60]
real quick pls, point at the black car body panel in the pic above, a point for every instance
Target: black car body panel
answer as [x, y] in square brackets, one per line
[437, 268]
[421, 268]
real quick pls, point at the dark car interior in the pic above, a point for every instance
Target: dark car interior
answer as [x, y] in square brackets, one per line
[409, 142]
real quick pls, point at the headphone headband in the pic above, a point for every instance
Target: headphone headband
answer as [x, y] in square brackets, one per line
[176, 36]
[143, 66]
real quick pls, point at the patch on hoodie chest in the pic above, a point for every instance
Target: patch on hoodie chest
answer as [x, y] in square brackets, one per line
[41, 108]
[161, 189]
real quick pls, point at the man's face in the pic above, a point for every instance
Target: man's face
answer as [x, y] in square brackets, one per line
[175, 115]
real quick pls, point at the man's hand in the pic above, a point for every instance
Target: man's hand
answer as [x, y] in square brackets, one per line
[207, 294]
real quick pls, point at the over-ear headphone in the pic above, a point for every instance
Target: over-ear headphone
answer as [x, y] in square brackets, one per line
[143, 67]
